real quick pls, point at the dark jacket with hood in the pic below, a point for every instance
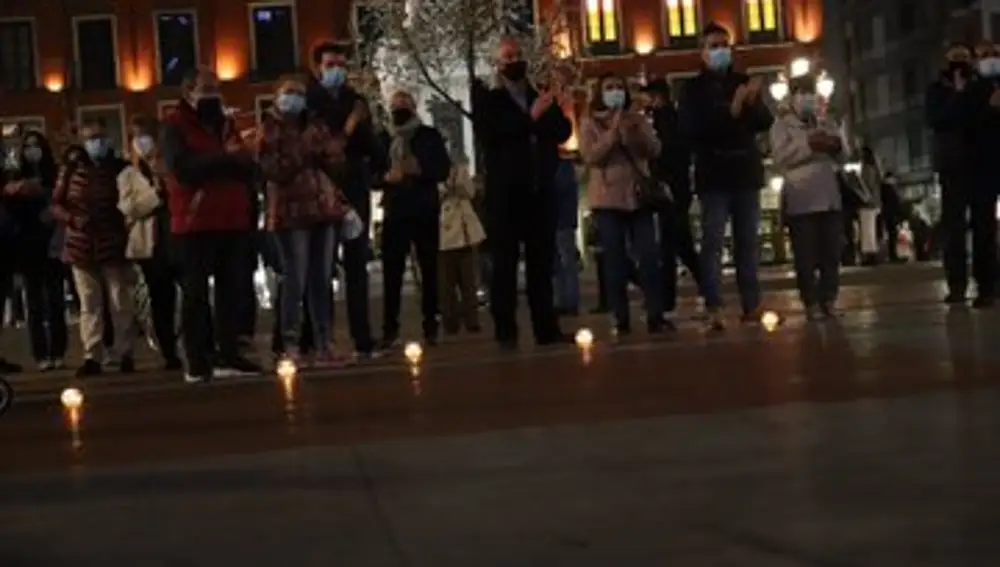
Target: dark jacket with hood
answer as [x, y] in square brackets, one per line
[29, 222]
[417, 196]
[673, 165]
[726, 155]
[948, 112]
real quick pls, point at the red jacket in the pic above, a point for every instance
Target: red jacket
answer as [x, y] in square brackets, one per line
[207, 189]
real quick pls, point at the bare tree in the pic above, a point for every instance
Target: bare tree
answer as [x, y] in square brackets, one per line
[428, 43]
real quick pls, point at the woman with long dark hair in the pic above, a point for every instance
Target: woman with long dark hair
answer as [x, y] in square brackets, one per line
[29, 194]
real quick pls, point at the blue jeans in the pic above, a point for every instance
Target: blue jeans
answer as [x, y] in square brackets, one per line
[617, 230]
[567, 271]
[717, 208]
[307, 258]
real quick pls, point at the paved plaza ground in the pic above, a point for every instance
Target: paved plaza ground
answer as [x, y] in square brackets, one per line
[866, 441]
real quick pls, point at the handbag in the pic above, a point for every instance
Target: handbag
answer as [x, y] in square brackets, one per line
[651, 193]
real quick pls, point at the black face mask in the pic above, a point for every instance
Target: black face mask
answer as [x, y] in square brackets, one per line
[401, 116]
[515, 71]
[210, 111]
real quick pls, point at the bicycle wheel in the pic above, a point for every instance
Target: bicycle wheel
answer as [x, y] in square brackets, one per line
[6, 395]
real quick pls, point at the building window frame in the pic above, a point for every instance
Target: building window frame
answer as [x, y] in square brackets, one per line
[764, 36]
[259, 103]
[36, 67]
[78, 63]
[31, 120]
[603, 46]
[118, 106]
[252, 7]
[685, 40]
[193, 13]
[356, 24]
[164, 105]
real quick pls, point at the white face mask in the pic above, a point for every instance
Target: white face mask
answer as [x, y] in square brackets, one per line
[143, 145]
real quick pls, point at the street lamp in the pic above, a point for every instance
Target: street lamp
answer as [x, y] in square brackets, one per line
[824, 86]
[779, 88]
[800, 67]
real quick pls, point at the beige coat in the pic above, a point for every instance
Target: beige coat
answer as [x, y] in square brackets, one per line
[460, 227]
[612, 179]
[137, 201]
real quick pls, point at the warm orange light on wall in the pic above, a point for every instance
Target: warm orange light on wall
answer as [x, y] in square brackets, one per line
[562, 44]
[806, 27]
[54, 82]
[645, 41]
[228, 66]
[140, 80]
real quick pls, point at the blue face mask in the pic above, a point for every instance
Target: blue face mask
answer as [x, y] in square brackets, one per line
[290, 103]
[719, 58]
[333, 77]
[989, 67]
[805, 104]
[96, 148]
[613, 99]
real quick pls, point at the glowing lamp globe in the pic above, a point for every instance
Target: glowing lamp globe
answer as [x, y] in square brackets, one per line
[800, 67]
[413, 352]
[71, 398]
[584, 338]
[824, 87]
[779, 90]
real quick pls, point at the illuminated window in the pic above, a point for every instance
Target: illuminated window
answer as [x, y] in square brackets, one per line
[602, 23]
[682, 22]
[762, 19]
[273, 44]
[176, 45]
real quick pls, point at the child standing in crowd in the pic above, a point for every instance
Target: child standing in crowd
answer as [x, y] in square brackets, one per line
[461, 234]
[804, 146]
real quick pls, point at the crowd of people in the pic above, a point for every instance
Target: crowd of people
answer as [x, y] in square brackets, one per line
[183, 210]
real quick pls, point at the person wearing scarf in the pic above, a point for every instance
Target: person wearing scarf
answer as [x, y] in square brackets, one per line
[418, 163]
[85, 202]
[804, 148]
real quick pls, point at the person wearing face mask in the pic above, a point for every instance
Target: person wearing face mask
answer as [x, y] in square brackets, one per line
[142, 199]
[28, 196]
[208, 172]
[520, 130]
[301, 163]
[85, 201]
[804, 148]
[982, 131]
[721, 112]
[346, 114]
[616, 142]
[418, 163]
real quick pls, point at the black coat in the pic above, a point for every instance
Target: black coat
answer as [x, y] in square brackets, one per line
[947, 113]
[726, 155]
[521, 155]
[673, 165]
[982, 133]
[364, 150]
[417, 197]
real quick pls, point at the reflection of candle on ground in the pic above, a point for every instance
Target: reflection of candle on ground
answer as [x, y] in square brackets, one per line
[289, 385]
[286, 369]
[73, 418]
[413, 352]
[416, 385]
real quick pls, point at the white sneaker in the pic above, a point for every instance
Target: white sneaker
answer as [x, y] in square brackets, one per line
[45, 365]
[192, 379]
[57, 364]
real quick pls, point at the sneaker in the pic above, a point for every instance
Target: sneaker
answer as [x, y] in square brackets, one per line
[7, 367]
[90, 367]
[815, 313]
[197, 378]
[237, 368]
[828, 311]
[44, 365]
[58, 364]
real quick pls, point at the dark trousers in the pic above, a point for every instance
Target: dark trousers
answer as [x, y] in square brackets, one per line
[356, 255]
[535, 229]
[676, 243]
[458, 283]
[399, 236]
[46, 298]
[849, 252]
[967, 204]
[223, 256]
[306, 340]
[817, 247]
[162, 279]
[888, 225]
